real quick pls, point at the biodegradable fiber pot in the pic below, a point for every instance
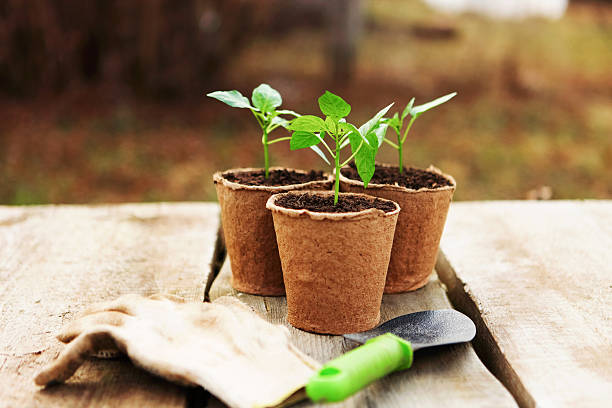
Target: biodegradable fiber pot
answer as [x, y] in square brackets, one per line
[249, 231]
[334, 264]
[419, 228]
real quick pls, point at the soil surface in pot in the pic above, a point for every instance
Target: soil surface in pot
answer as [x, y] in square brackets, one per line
[412, 178]
[317, 203]
[276, 177]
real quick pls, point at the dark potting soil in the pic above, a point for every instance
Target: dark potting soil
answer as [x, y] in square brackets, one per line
[276, 177]
[412, 178]
[317, 203]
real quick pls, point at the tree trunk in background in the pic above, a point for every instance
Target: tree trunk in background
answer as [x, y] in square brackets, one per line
[345, 23]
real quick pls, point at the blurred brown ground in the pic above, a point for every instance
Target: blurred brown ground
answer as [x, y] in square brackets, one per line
[106, 103]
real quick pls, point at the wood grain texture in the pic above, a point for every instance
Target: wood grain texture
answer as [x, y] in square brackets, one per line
[537, 279]
[448, 376]
[56, 260]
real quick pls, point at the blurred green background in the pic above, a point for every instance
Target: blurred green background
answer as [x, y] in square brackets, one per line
[104, 101]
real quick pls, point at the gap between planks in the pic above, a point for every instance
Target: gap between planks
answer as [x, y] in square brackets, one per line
[485, 345]
[535, 277]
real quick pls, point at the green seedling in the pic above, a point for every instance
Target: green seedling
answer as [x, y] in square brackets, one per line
[397, 122]
[265, 101]
[310, 131]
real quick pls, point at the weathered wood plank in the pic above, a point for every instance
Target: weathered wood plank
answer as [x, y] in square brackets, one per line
[537, 278]
[56, 260]
[448, 376]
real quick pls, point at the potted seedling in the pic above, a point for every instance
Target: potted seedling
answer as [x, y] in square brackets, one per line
[243, 192]
[423, 195]
[334, 247]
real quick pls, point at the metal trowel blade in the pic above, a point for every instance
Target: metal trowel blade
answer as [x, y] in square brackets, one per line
[424, 329]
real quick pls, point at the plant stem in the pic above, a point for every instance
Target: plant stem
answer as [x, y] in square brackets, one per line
[266, 157]
[280, 139]
[352, 155]
[408, 128]
[400, 145]
[257, 114]
[327, 147]
[342, 139]
[264, 140]
[272, 127]
[337, 162]
[390, 143]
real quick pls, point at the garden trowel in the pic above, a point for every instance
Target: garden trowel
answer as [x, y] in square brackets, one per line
[387, 348]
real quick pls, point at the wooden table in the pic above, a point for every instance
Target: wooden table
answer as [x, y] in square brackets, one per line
[536, 277]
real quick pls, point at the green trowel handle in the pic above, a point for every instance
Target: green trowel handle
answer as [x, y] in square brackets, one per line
[347, 374]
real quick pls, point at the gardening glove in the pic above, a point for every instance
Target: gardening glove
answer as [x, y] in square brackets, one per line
[223, 346]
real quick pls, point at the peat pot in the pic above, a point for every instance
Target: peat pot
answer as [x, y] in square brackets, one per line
[334, 263]
[248, 229]
[419, 225]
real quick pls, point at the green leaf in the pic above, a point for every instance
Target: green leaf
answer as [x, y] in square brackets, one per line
[333, 105]
[232, 98]
[380, 133]
[308, 123]
[393, 122]
[320, 153]
[331, 125]
[373, 132]
[265, 98]
[287, 112]
[300, 140]
[417, 110]
[407, 109]
[374, 122]
[277, 120]
[365, 159]
[355, 136]
[343, 145]
[343, 127]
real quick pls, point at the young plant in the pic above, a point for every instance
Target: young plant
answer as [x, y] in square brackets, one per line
[265, 100]
[310, 131]
[397, 122]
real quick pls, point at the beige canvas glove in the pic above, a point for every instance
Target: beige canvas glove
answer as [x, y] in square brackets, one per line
[223, 346]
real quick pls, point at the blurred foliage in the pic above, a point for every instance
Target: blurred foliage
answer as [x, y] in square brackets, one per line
[534, 105]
